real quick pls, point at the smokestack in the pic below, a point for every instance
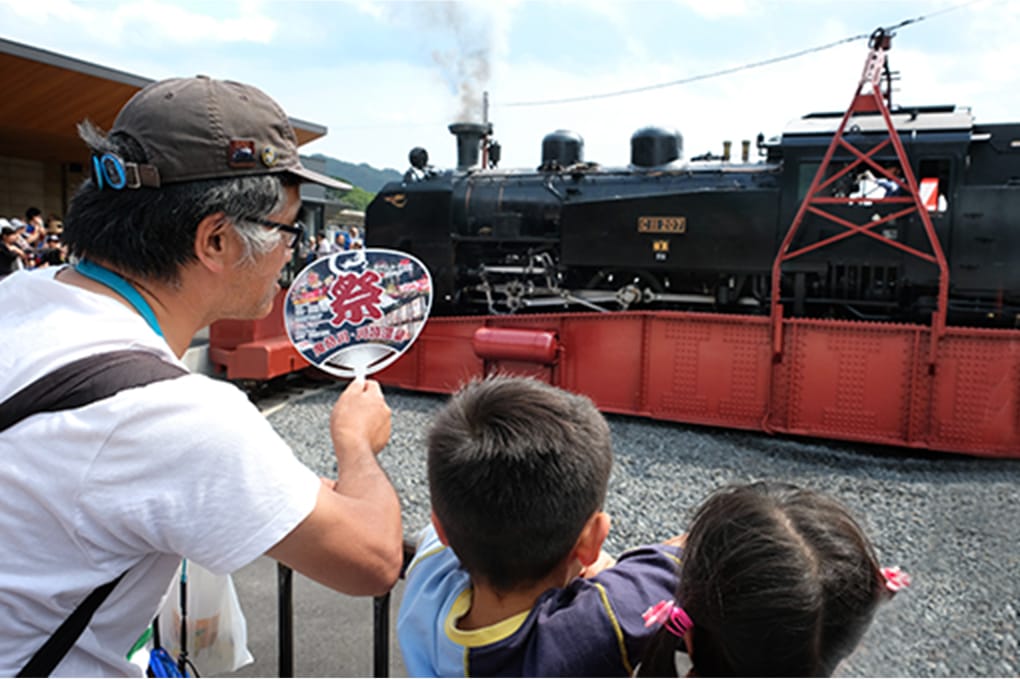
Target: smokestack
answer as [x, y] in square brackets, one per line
[726, 145]
[469, 142]
[745, 150]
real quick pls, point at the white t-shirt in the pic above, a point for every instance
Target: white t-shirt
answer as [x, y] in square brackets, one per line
[183, 467]
[324, 248]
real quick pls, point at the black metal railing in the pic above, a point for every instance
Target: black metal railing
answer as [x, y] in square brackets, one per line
[380, 621]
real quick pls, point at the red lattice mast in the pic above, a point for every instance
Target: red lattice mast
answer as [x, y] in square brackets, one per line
[868, 98]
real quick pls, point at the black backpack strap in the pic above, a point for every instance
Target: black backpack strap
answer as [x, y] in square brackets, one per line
[71, 386]
[85, 381]
[60, 642]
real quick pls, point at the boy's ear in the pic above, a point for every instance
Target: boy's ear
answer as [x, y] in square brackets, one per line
[439, 530]
[594, 533]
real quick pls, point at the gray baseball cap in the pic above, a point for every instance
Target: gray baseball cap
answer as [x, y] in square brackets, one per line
[203, 128]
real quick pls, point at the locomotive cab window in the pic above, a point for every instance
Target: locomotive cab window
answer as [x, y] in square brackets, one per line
[845, 185]
[805, 175]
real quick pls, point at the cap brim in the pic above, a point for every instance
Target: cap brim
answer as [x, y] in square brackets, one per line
[320, 179]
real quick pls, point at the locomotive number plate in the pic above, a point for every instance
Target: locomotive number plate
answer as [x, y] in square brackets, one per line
[662, 224]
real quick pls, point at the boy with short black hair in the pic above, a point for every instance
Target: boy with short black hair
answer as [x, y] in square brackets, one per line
[518, 472]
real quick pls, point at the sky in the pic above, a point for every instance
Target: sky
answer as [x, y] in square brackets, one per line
[384, 77]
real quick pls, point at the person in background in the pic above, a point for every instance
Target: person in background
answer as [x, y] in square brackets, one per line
[510, 578]
[356, 241]
[54, 226]
[892, 187]
[189, 217]
[12, 257]
[323, 248]
[305, 251]
[23, 244]
[52, 252]
[343, 241]
[420, 169]
[777, 581]
[35, 227]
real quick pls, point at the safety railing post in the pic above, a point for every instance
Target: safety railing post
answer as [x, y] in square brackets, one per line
[285, 618]
[381, 640]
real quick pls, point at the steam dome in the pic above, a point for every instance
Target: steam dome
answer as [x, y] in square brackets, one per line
[563, 147]
[653, 146]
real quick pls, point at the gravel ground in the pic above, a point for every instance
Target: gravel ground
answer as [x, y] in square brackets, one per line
[951, 521]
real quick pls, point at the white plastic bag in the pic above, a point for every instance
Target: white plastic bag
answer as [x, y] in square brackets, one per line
[217, 633]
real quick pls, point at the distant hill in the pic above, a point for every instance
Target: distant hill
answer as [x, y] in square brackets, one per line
[361, 175]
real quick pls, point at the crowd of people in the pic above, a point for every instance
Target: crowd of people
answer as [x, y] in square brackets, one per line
[348, 238]
[510, 578]
[31, 243]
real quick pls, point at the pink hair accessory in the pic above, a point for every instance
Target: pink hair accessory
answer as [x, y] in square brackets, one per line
[671, 616]
[895, 578]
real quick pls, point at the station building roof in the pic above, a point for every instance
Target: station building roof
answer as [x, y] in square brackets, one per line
[47, 94]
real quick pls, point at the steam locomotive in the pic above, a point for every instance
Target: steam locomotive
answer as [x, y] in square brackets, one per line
[702, 234]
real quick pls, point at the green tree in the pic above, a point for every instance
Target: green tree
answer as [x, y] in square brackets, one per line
[357, 198]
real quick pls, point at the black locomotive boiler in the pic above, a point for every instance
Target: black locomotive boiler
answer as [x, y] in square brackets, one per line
[702, 234]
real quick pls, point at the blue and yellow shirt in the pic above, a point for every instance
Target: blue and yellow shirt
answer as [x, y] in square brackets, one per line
[592, 627]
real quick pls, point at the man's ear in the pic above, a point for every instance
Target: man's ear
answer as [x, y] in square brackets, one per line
[211, 242]
[589, 543]
[439, 529]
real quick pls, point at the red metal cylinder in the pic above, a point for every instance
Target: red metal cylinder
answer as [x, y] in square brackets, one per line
[510, 344]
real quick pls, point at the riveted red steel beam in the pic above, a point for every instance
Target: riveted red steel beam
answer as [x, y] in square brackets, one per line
[847, 380]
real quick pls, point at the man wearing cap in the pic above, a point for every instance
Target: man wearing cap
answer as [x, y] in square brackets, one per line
[12, 257]
[188, 218]
[23, 243]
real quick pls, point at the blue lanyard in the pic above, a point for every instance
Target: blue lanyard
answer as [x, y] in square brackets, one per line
[115, 282]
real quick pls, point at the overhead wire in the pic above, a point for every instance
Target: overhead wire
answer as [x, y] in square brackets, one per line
[685, 81]
[734, 69]
[681, 81]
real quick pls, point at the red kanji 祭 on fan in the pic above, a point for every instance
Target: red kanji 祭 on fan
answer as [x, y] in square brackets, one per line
[355, 297]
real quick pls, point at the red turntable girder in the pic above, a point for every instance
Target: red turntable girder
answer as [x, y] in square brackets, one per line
[848, 380]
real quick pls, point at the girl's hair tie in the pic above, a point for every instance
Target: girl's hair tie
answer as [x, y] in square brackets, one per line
[669, 615]
[895, 578]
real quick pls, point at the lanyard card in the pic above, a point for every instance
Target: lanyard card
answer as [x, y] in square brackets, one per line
[355, 312]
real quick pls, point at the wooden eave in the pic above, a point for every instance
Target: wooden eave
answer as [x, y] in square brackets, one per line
[47, 94]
